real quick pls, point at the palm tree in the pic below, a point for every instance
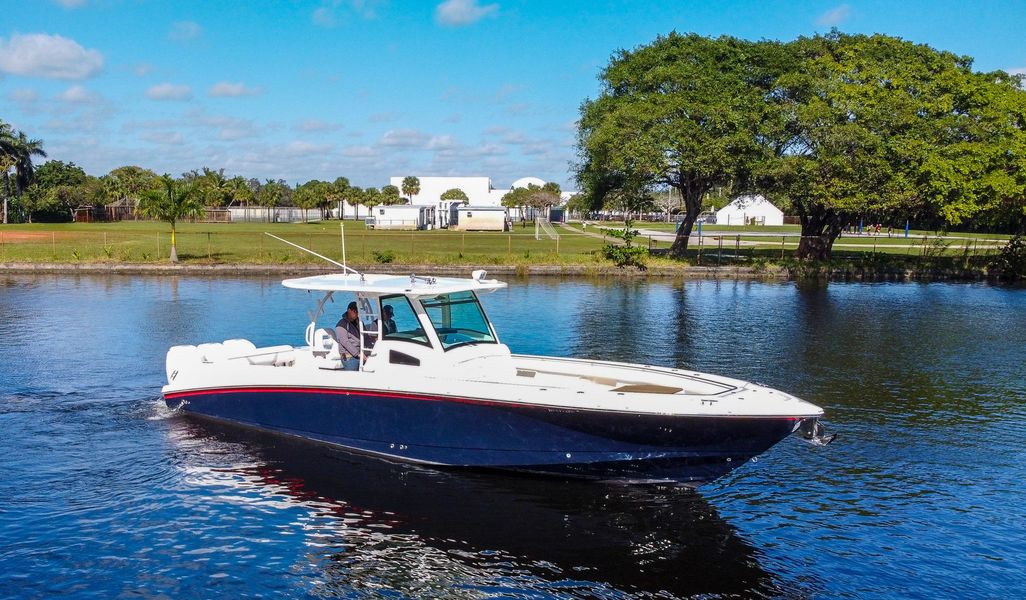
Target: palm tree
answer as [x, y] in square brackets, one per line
[214, 187]
[411, 187]
[238, 191]
[20, 149]
[171, 201]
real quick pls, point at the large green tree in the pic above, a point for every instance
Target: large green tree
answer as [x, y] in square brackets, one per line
[58, 189]
[125, 185]
[881, 127]
[171, 201]
[684, 111]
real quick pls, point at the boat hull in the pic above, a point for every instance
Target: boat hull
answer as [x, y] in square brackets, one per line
[471, 432]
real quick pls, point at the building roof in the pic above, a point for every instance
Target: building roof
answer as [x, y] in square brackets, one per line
[523, 182]
[481, 207]
[750, 203]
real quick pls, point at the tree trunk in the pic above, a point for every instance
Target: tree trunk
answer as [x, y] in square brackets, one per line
[692, 208]
[820, 227]
[174, 246]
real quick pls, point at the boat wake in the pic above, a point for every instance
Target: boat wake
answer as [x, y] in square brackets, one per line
[158, 410]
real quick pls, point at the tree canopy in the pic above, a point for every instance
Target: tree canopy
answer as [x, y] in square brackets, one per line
[58, 189]
[171, 200]
[411, 187]
[833, 127]
[684, 112]
[16, 152]
[455, 194]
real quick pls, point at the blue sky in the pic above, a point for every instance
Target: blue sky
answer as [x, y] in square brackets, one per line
[369, 89]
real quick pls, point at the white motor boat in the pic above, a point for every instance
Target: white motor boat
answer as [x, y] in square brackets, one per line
[441, 389]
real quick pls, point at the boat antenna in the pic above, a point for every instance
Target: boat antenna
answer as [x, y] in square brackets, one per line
[342, 229]
[336, 263]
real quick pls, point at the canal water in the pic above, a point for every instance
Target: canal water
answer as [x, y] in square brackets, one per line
[105, 493]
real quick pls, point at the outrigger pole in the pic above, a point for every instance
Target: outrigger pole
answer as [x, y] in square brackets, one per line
[336, 263]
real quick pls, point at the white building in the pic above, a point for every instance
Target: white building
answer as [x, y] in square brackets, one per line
[479, 192]
[478, 218]
[401, 216]
[750, 210]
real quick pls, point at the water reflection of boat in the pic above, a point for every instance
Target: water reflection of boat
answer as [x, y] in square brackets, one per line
[436, 386]
[409, 528]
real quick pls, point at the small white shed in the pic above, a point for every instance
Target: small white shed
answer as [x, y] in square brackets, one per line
[401, 216]
[478, 218]
[750, 210]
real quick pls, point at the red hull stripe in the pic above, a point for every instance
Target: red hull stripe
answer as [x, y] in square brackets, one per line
[377, 394]
[336, 392]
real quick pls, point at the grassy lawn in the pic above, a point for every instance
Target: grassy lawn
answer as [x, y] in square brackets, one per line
[209, 243]
[245, 243]
[918, 243]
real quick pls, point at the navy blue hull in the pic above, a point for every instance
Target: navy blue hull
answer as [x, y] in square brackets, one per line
[486, 434]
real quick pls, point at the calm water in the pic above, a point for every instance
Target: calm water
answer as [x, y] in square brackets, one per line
[104, 493]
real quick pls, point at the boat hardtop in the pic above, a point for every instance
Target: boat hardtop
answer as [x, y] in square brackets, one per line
[380, 284]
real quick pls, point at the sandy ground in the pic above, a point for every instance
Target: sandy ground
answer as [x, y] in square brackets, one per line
[16, 237]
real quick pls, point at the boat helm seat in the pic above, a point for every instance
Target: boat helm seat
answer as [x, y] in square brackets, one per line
[325, 344]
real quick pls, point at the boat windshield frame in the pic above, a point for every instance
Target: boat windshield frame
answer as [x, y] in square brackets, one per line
[464, 298]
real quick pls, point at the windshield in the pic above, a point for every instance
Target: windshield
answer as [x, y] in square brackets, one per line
[458, 319]
[403, 324]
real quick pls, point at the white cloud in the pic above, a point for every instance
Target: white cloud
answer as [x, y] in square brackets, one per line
[43, 55]
[169, 138]
[404, 138]
[224, 89]
[443, 143]
[301, 148]
[228, 128]
[169, 91]
[506, 91]
[316, 126]
[456, 13]
[183, 31]
[325, 17]
[1017, 71]
[834, 16]
[142, 69]
[77, 94]
[365, 8]
[23, 96]
[229, 133]
[381, 117]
